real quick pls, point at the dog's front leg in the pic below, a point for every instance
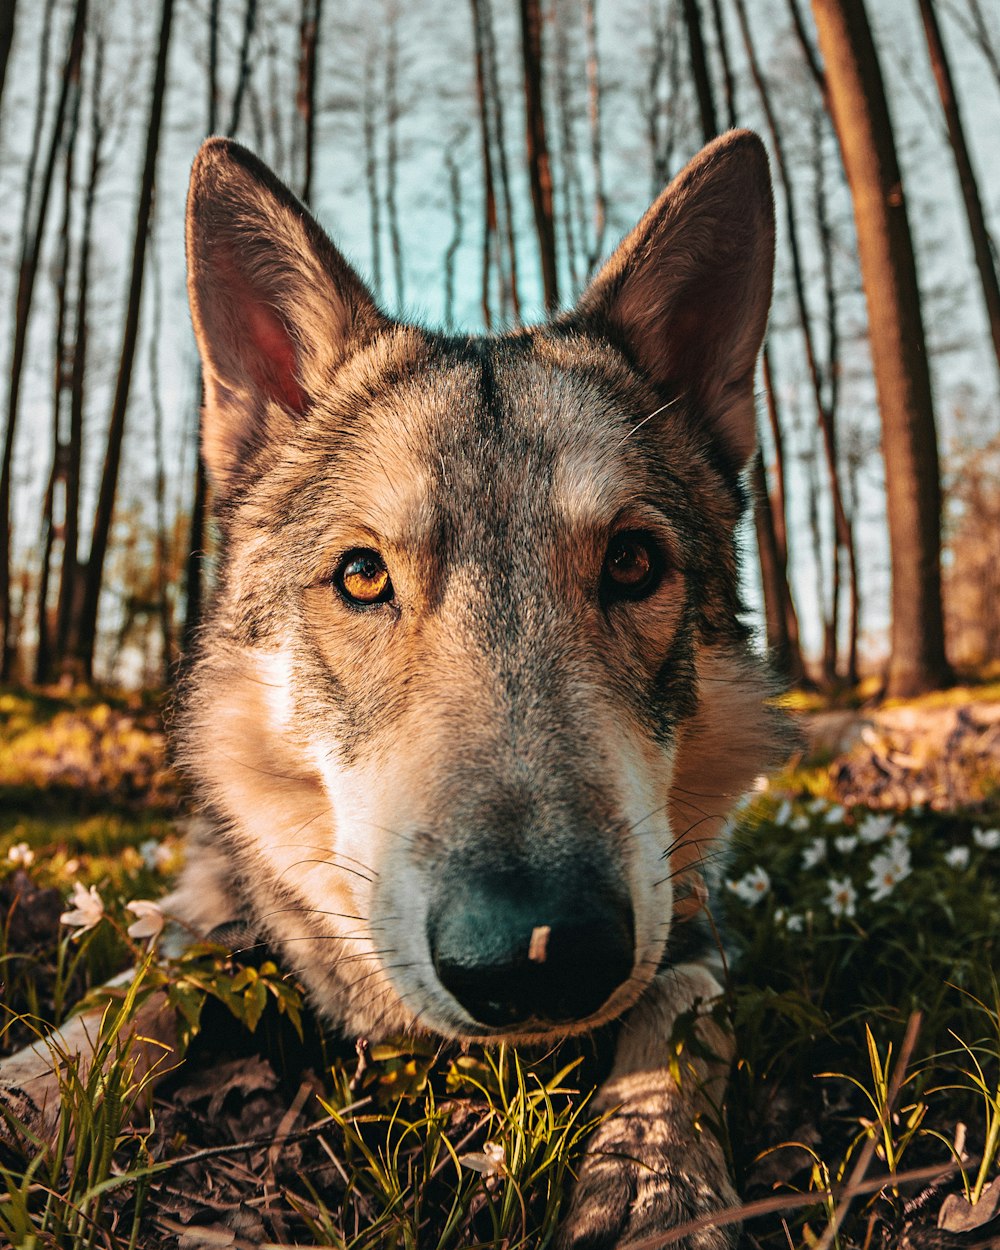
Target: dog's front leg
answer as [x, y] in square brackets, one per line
[648, 1168]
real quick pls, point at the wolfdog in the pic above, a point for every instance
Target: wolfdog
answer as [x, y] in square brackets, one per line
[474, 698]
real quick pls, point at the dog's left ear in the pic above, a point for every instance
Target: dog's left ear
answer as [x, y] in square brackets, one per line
[687, 292]
[275, 306]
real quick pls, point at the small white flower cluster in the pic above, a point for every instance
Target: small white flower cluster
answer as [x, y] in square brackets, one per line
[751, 887]
[86, 910]
[888, 868]
[986, 839]
[21, 854]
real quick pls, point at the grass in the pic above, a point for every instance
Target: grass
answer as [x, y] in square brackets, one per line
[846, 931]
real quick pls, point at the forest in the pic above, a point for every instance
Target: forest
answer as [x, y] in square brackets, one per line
[476, 163]
[477, 166]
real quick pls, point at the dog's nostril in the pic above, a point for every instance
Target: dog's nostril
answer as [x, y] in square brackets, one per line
[509, 960]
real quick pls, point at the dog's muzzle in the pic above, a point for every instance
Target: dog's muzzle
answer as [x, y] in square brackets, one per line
[514, 950]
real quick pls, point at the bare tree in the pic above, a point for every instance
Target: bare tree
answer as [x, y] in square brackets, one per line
[392, 159]
[457, 231]
[537, 150]
[699, 70]
[31, 246]
[825, 415]
[981, 249]
[86, 632]
[309, 31]
[898, 345]
[70, 580]
[596, 249]
[769, 507]
[61, 391]
[510, 297]
[6, 37]
[486, 148]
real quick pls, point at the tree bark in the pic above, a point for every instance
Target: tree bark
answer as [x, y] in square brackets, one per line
[312, 12]
[486, 146]
[28, 271]
[769, 512]
[87, 632]
[825, 415]
[596, 251]
[67, 610]
[898, 346]
[6, 37]
[61, 391]
[966, 176]
[539, 168]
[700, 72]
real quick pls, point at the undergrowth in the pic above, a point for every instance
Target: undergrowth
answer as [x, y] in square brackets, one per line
[845, 929]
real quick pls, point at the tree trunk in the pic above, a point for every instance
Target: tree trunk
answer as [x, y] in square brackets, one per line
[824, 413]
[312, 12]
[28, 271]
[392, 162]
[87, 631]
[539, 169]
[67, 610]
[769, 513]
[966, 177]
[486, 145]
[898, 346]
[61, 390]
[596, 251]
[510, 295]
[700, 72]
[793, 664]
[6, 37]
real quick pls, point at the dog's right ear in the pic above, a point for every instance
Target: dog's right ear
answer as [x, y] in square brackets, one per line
[275, 306]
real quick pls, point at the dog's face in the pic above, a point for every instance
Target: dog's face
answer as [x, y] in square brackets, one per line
[473, 697]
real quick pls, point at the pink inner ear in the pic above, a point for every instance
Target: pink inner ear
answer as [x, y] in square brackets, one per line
[272, 365]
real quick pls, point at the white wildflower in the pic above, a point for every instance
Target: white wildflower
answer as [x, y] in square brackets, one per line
[490, 1163]
[21, 854]
[151, 919]
[846, 844]
[986, 839]
[87, 909]
[814, 853]
[818, 805]
[834, 815]
[957, 857]
[795, 924]
[841, 896]
[780, 915]
[800, 823]
[900, 831]
[874, 828]
[751, 887]
[888, 869]
[784, 813]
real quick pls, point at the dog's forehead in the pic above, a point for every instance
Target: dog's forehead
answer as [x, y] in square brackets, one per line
[527, 428]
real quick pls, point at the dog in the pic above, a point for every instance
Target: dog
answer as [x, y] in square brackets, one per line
[474, 698]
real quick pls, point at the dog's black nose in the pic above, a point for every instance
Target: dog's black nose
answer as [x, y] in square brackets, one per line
[512, 952]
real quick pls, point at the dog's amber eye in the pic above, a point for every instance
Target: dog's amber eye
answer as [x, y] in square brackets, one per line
[632, 567]
[363, 578]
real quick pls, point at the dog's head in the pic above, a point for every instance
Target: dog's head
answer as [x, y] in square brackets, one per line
[474, 695]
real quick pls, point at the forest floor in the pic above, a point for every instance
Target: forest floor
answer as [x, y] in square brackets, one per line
[861, 905]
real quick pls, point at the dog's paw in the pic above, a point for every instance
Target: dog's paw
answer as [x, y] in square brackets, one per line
[639, 1180]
